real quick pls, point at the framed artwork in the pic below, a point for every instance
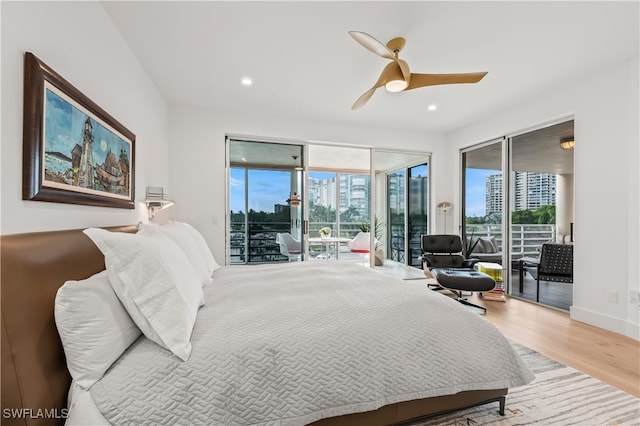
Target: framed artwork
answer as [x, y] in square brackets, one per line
[73, 151]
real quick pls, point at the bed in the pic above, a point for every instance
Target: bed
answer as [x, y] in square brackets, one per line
[36, 380]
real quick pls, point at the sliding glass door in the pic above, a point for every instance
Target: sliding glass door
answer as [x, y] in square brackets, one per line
[396, 215]
[265, 198]
[407, 212]
[541, 171]
[287, 192]
[509, 215]
[483, 197]
[339, 194]
[418, 208]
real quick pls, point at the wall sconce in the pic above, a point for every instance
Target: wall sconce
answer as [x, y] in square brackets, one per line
[294, 200]
[156, 200]
[567, 143]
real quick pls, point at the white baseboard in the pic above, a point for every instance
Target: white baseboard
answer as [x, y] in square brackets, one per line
[633, 330]
[617, 325]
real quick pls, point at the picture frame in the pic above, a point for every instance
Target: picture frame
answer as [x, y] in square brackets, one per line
[73, 151]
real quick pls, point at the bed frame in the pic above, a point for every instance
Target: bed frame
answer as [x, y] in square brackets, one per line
[35, 379]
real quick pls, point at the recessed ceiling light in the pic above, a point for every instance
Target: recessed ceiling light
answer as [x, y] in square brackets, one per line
[432, 107]
[247, 81]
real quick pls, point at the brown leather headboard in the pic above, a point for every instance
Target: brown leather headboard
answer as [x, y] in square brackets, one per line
[32, 268]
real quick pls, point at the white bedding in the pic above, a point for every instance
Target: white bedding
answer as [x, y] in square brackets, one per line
[291, 344]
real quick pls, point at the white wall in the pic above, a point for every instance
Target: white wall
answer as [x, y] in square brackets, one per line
[605, 107]
[633, 238]
[197, 152]
[79, 41]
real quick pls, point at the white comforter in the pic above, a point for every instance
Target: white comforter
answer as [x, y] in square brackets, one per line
[291, 344]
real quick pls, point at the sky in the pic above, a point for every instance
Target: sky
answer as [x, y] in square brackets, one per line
[64, 127]
[475, 204]
[268, 188]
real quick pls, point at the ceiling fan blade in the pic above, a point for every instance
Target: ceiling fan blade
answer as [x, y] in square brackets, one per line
[372, 44]
[390, 72]
[404, 67]
[364, 98]
[422, 80]
[380, 49]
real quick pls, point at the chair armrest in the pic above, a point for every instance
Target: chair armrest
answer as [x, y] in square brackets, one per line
[529, 261]
[424, 259]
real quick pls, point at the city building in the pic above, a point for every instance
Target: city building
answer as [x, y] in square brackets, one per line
[532, 190]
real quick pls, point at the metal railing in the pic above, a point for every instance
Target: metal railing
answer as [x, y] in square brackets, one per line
[260, 245]
[526, 239]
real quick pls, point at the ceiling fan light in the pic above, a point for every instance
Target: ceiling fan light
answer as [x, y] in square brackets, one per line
[396, 85]
[567, 143]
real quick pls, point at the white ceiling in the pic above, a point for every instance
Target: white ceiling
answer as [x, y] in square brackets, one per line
[304, 64]
[321, 157]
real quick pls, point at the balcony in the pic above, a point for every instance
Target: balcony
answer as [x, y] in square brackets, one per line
[527, 239]
[261, 246]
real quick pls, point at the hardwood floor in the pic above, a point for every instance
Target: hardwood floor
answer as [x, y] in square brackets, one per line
[610, 357]
[558, 295]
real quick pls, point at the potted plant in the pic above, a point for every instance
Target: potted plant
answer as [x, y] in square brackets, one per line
[325, 232]
[470, 244]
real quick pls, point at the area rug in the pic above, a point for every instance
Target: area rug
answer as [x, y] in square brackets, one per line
[559, 396]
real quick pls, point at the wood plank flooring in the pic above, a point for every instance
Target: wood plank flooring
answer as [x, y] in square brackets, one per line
[558, 295]
[607, 356]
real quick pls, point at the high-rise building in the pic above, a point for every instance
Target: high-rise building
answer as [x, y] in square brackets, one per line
[541, 190]
[493, 193]
[531, 190]
[353, 191]
[396, 184]
[418, 194]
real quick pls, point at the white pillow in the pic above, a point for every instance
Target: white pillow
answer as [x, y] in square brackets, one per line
[209, 260]
[94, 327]
[155, 282]
[193, 244]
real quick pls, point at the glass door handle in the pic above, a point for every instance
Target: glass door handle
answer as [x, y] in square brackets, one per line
[305, 227]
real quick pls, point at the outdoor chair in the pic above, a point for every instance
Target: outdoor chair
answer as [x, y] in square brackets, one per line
[289, 246]
[360, 244]
[442, 256]
[555, 264]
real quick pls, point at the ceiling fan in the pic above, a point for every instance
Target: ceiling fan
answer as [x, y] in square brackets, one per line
[396, 77]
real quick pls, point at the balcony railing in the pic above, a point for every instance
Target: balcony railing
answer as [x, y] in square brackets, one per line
[398, 247]
[526, 239]
[261, 246]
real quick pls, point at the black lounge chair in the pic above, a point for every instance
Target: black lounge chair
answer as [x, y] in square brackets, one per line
[442, 255]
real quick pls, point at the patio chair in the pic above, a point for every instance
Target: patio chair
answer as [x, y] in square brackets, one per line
[555, 264]
[289, 246]
[360, 244]
[443, 258]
